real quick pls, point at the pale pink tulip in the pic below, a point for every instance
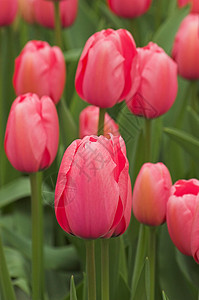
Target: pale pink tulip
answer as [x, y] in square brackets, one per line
[32, 133]
[26, 9]
[88, 122]
[150, 194]
[92, 190]
[103, 73]
[40, 69]
[154, 82]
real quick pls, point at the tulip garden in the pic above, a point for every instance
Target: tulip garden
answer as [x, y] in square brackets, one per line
[99, 150]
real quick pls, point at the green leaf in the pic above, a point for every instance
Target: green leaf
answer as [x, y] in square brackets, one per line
[193, 121]
[140, 292]
[15, 190]
[147, 278]
[164, 296]
[72, 55]
[122, 291]
[165, 35]
[73, 295]
[189, 143]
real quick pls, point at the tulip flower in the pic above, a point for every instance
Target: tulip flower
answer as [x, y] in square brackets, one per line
[186, 47]
[8, 11]
[44, 12]
[26, 9]
[150, 194]
[40, 69]
[194, 5]
[32, 133]
[103, 73]
[183, 216]
[129, 8]
[88, 123]
[92, 189]
[155, 85]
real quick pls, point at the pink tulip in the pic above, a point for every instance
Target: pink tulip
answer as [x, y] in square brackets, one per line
[155, 84]
[88, 122]
[129, 8]
[92, 190]
[32, 133]
[150, 194]
[40, 69]
[103, 72]
[44, 12]
[186, 47]
[194, 5]
[26, 8]
[8, 11]
[183, 216]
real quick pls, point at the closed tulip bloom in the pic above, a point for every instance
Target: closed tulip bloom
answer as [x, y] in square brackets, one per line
[26, 9]
[103, 73]
[183, 216]
[92, 187]
[155, 84]
[88, 122]
[40, 69]
[129, 8]
[150, 194]
[32, 133]
[194, 5]
[186, 47]
[44, 12]
[8, 11]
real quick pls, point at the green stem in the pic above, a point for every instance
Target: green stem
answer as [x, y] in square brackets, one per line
[194, 95]
[152, 259]
[101, 121]
[37, 237]
[158, 14]
[68, 128]
[134, 29]
[139, 259]
[90, 266]
[105, 269]
[58, 26]
[148, 140]
[6, 284]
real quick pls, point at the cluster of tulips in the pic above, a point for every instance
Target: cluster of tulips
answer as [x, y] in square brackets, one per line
[94, 194]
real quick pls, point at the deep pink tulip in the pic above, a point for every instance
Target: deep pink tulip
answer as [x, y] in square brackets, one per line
[150, 194]
[155, 84]
[32, 133]
[186, 47]
[103, 72]
[88, 122]
[194, 5]
[44, 12]
[26, 8]
[129, 8]
[8, 11]
[92, 189]
[183, 216]
[40, 69]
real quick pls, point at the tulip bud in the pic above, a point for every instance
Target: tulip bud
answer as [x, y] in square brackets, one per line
[88, 122]
[44, 12]
[103, 72]
[194, 5]
[8, 11]
[155, 84]
[32, 133]
[26, 8]
[186, 47]
[129, 8]
[92, 189]
[183, 216]
[40, 69]
[150, 194]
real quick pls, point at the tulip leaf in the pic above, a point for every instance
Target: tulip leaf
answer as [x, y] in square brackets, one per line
[15, 190]
[189, 143]
[73, 295]
[164, 296]
[165, 35]
[193, 121]
[140, 291]
[122, 291]
[72, 55]
[60, 258]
